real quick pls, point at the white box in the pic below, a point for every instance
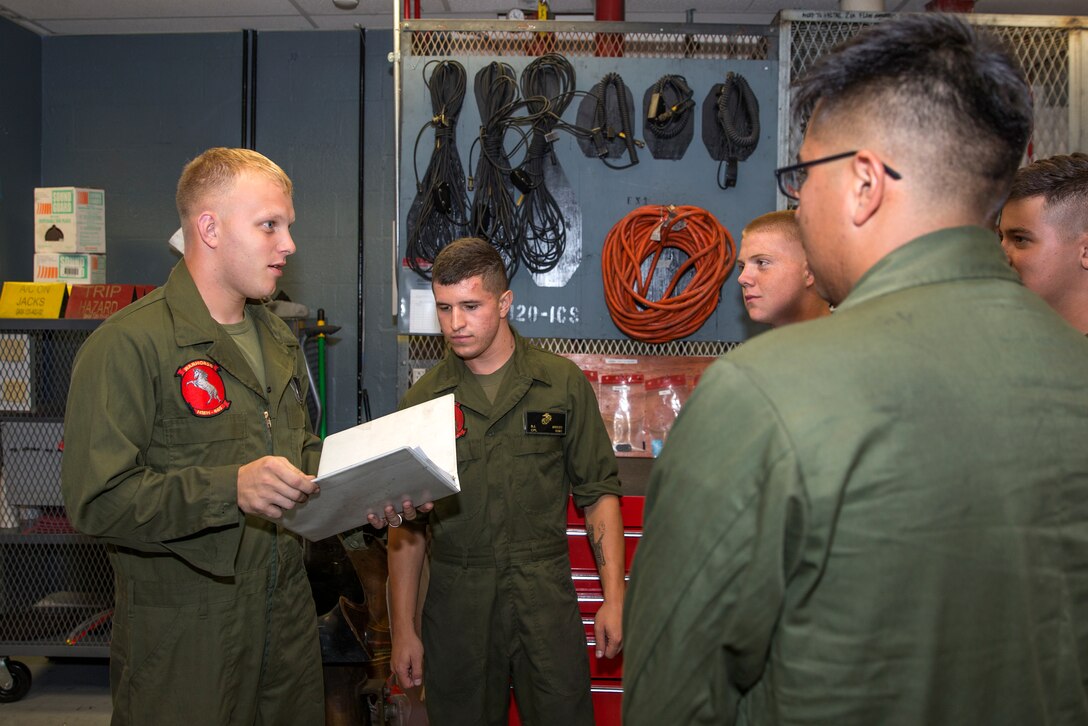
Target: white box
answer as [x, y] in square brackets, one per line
[69, 219]
[31, 469]
[74, 269]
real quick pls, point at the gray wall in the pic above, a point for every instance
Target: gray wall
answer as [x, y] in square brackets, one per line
[380, 364]
[20, 141]
[124, 114]
[141, 106]
[308, 122]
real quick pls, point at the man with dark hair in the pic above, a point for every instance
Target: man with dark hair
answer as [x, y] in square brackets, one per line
[778, 286]
[1044, 231]
[500, 607]
[881, 516]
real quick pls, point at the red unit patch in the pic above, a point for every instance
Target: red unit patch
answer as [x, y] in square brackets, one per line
[202, 388]
[459, 420]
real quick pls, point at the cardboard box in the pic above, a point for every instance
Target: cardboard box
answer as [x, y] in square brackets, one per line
[31, 468]
[70, 268]
[69, 219]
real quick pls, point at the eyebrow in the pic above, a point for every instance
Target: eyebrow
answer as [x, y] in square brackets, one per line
[1014, 230]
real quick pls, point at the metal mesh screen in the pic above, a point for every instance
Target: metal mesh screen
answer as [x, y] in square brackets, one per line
[586, 39]
[56, 586]
[421, 352]
[1042, 51]
[431, 348]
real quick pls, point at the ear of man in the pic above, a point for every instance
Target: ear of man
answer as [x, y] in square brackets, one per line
[867, 185]
[207, 227]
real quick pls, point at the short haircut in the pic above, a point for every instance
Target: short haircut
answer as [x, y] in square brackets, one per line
[783, 222]
[1062, 182]
[1058, 179]
[214, 172]
[950, 95]
[468, 257]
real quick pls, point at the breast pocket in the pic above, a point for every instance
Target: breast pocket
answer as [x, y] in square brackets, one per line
[538, 476]
[469, 502]
[215, 441]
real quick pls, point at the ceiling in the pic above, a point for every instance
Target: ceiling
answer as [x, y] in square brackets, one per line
[105, 17]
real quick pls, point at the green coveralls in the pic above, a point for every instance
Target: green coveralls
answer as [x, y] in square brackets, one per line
[878, 517]
[501, 605]
[214, 620]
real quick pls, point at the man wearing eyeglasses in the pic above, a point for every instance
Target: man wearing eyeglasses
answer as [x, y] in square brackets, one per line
[881, 516]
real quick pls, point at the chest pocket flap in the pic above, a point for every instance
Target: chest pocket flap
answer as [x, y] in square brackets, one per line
[196, 430]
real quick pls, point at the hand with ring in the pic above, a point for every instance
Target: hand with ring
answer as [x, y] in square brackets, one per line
[392, 518]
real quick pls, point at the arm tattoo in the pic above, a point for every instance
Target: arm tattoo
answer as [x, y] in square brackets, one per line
[597, 544]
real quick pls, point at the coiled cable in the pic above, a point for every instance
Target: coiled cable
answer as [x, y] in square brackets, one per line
[603, 132]
[494, 214]
[640, 238]
[440, 213]
[668, 117]
[547, 84]
[738, 114]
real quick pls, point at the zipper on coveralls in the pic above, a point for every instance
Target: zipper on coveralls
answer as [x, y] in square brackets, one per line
[268, 424]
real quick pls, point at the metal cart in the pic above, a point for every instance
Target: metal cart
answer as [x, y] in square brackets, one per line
[56, 586]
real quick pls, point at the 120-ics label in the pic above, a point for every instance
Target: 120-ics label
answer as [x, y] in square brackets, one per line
[561, 314]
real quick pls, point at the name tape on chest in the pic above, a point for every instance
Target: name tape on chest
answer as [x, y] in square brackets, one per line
[545, 423]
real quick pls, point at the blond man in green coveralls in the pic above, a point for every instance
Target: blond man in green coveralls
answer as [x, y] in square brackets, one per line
[186, 437]
[501, 608]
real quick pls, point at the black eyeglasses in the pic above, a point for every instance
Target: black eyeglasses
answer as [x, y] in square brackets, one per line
[790, 178]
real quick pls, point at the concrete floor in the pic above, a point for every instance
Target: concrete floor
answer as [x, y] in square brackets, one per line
[64, 692]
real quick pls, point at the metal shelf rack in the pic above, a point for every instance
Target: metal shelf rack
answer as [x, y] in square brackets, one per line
[56, 586]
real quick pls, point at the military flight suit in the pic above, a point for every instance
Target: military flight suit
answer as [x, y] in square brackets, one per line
[500, 604]
[877, 517]
[214, 620]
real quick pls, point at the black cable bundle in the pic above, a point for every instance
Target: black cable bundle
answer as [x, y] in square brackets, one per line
[547, 85]
[670, 123]
[606, 115]
[738, 117]
[440, 212]
[494, 214]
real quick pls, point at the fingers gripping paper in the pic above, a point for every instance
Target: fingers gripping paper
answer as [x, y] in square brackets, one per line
[410, 454]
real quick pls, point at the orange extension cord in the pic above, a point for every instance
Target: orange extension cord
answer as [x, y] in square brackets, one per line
[695, 232]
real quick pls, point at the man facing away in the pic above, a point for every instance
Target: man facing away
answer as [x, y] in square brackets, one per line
[777, 284]
[1044, 231]
[186, 438]
[500, 607]
[881, 516]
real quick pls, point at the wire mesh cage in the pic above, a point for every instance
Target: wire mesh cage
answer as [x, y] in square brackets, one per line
[578, 39]
[1041, 46]
[56, 586]
[422, 352]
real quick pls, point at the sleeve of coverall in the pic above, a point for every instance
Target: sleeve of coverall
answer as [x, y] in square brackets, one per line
[591, 463]
[709, 575]
[110, 489]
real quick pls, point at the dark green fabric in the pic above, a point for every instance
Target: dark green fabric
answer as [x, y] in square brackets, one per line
[501, 603]
[880, 517]
[223, 597]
